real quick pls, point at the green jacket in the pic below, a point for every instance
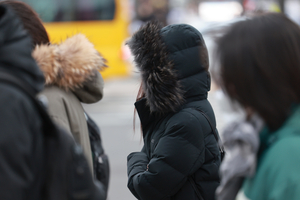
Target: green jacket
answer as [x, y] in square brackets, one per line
[278, 168]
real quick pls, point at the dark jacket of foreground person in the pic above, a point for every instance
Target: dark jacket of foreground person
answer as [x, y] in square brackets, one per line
[21, 138]
[22, 142]
[178, 141]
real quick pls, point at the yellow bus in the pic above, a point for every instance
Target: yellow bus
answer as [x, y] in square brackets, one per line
[104, 22]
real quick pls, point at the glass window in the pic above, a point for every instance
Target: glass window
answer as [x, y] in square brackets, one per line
[73, 10]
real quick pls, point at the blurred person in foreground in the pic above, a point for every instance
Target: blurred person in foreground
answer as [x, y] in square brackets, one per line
[180, 158]
[23, 152]
[260, 69]
[71, 75]
[21, 138]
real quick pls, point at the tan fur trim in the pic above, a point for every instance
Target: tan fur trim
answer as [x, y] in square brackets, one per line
[69, 64]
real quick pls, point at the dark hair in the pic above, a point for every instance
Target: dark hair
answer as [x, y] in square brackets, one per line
[140, 95]
[31, 21]
[260, 65]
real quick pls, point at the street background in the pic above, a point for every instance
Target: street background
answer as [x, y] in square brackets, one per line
[115, 112]
[109, 23]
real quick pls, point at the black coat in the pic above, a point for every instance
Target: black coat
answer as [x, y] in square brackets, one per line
[21, 138]
[178, 141]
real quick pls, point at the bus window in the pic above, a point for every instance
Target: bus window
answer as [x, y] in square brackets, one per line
[95, 10]
[73, 10]
[104, 22]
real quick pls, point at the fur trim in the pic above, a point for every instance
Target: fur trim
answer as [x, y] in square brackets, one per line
[69, 64]
[160, 83]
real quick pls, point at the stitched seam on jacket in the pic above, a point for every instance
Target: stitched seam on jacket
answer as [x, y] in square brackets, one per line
[203, 141]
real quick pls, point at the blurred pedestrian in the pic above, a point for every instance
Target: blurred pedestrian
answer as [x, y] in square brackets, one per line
[71, 75]
[144, 12]
[21, 138]
[259, 69]
[29, 166]
[180, 158]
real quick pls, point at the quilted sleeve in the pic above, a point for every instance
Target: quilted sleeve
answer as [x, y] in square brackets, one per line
[178, 154]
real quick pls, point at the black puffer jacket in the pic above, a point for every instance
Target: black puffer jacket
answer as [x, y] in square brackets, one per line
[178, 141]
[21, 138]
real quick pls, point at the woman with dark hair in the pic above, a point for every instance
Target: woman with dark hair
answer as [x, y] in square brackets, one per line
[180, 158]
[260, 69]
[71, 75]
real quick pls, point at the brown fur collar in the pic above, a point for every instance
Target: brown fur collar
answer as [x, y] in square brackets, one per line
[160, 83]
[69, 64]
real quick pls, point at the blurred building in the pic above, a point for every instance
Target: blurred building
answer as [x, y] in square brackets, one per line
[290, 7]
[165, 11]
[146, 10]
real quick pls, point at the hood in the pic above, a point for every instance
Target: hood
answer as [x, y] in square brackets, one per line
[73, 65]
[174, 65]
[15, 51]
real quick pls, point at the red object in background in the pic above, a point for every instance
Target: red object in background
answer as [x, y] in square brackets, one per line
[249, 5]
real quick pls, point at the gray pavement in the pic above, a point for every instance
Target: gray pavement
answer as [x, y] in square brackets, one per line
[114, 115]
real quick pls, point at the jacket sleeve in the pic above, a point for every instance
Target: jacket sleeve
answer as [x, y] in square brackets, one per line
[18, 146]
[100, 191]
[137, 163]
[178, 154]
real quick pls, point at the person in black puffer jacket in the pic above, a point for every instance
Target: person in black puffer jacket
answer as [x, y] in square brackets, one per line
[180, 156]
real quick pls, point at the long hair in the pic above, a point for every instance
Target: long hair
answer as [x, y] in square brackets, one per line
[31, 21]
[260, 65]
[140, 95]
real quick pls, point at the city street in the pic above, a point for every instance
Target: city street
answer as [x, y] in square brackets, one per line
[52, 51]
[114, 115]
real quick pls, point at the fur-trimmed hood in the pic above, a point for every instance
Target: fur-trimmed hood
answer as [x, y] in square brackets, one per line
[174, 65]
[73, 66]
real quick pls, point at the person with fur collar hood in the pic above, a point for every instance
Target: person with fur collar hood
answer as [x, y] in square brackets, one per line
[180, 158]
[72, 77]
[24, 140]
[71, 72]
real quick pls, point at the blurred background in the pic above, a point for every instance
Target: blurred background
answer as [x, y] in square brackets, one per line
[109, 23]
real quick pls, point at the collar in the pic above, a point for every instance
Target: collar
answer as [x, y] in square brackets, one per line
[144, 112]
[146, 117]
[290, 128]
